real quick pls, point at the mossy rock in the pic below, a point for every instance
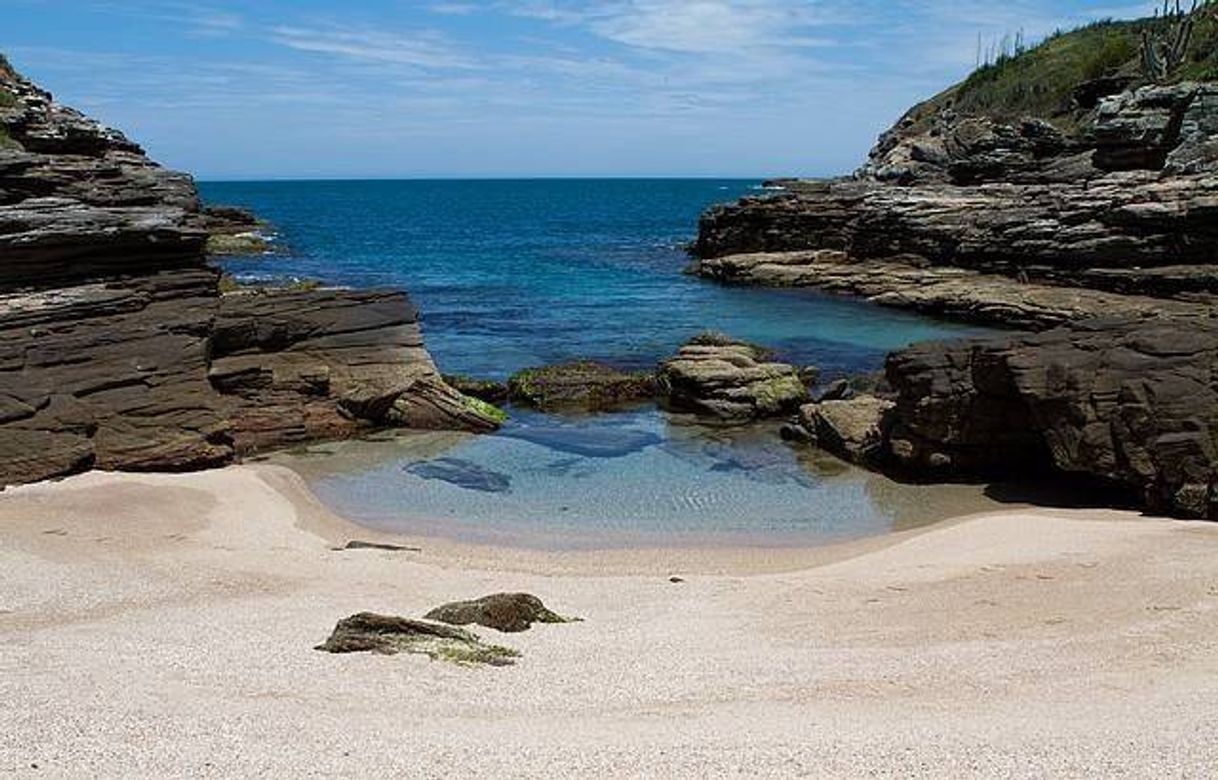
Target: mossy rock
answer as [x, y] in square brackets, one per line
[483, 389]
[507, 612]
[368, 632]
[580, 386]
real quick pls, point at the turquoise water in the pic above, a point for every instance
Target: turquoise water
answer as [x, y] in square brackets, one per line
[512, 274]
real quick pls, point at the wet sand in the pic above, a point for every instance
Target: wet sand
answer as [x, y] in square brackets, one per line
[163, 625]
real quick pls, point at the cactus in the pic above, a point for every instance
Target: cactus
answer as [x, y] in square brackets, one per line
[1165, 44]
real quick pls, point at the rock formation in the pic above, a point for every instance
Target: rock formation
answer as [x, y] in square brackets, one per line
[1007, 222]
[853, 429]
[117, 350]
[730, 380]
[1131, 403]
[1095, 223]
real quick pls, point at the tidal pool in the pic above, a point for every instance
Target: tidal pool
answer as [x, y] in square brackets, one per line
[638, 478]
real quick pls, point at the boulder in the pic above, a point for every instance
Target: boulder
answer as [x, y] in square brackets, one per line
[730, 380]
[368, 632]
[853, 429]
[507, 612]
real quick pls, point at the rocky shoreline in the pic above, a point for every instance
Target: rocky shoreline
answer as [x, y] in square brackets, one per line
[1104, 238]
[118, 350]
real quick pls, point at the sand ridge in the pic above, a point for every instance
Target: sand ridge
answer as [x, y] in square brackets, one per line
[162, 625]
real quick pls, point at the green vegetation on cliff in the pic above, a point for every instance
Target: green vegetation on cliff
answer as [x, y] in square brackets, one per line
[1042, 80]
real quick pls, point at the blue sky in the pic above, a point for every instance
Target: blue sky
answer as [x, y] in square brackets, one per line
[422, 88]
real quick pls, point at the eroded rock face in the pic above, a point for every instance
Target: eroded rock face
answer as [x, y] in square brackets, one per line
[731, 381]
[117, 350]
[507, 612]
[1128, 204]
[1134, 403]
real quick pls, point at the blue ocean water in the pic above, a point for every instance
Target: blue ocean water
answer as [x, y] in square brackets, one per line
[512, 274]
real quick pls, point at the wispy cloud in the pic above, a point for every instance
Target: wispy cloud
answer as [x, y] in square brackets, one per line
[424, 49]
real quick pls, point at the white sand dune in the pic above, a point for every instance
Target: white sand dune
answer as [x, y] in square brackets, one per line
[157, 626]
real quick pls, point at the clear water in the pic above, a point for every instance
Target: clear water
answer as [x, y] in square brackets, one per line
[512, 274]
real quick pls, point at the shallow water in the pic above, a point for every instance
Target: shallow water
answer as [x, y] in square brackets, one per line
[640, 478]
[512, 274]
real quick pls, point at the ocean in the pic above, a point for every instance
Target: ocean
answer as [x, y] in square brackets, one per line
[514, 274]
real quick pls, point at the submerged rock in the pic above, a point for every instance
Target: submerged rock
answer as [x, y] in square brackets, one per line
[368, 632]
[592, 442]
[507, 612]
[580, 386]
[730, 380]
[462, 473]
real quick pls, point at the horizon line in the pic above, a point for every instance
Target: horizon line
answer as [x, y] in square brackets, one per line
[558, 177]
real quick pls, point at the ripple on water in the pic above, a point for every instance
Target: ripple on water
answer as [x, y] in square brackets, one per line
[641, 478]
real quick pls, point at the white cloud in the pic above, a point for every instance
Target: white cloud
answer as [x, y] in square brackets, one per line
[424, 49]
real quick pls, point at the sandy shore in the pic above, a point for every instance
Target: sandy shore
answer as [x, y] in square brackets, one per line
[156, 626]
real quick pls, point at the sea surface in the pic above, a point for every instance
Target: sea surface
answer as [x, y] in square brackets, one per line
[513, 274]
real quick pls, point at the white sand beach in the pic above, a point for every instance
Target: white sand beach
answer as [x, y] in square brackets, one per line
[163, 625]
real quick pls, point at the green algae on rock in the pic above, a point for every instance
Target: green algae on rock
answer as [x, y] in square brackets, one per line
[582, 385]
[367, 632]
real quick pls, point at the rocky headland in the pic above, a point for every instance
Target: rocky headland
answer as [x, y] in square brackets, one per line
[1082, 209]
[118, 350]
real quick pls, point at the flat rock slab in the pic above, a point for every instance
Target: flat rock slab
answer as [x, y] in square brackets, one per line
[580, 386]
[368, 632]
[507, 612]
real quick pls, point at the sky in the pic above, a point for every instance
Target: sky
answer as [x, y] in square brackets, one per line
[287, 89]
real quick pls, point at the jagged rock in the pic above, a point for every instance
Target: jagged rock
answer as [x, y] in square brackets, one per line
[852, 429]
[1139, 129]
[1128, 204]
[507, 612]
[730, 380]
[582, 385]
[368, 632]
[117, 350]
[1132, 403]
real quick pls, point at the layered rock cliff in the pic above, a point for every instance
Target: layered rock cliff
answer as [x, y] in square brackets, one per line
[117, 350]
[1095, 223]
[1128, 205]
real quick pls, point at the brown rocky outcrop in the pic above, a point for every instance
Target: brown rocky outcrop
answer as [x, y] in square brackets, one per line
[1133, 403]
[1128, 204]
[117, 350]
